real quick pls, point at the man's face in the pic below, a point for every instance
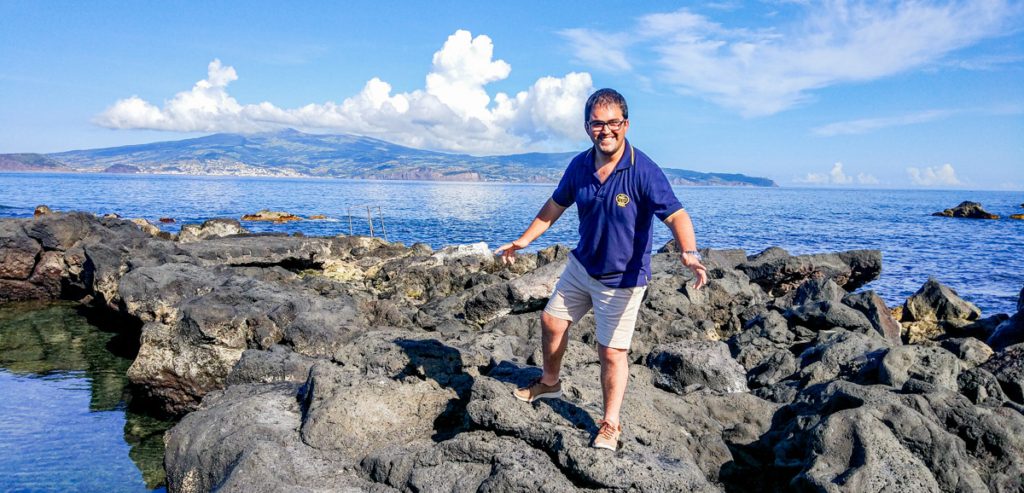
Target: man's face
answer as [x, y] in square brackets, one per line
[606, 140]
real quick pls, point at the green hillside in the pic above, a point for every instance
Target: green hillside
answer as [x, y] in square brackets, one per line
[30, 162]
[293, 153]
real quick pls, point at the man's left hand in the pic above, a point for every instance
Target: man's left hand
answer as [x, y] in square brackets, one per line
[691, 262]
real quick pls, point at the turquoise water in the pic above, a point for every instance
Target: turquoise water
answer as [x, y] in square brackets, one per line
[980, 259]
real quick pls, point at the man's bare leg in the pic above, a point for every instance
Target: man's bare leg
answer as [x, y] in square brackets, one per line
[553, 343]
[614, 377]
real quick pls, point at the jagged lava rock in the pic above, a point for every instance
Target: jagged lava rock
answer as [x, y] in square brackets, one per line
[1008, 367]
[244, 439]
[147, 227]
[932, 365]
[842, 354]
[686, 366]
[935, 310]
[478, 250]
[937, 303]
[269, 215]
[873, 307]
[211, 228]
[968, 209]
[18, 252]
[239, 322]
[778, 272]
[524, 293]
[971, 351]
[981, 387]
[1010, 331]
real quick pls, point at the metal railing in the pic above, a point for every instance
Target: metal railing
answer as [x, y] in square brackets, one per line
[369, 219]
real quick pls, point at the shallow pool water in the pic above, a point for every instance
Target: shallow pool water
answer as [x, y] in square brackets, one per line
[66, 423]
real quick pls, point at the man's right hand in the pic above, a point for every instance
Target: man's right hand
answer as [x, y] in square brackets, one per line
[508, 252]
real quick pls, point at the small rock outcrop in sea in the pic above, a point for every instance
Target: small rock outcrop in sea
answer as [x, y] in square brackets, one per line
[351, 363]
[317, 216]
[971, 210]
[1016, 216]
[269, 215]
[211, 228]
[42, 209]
[167, 220]
[146, 227]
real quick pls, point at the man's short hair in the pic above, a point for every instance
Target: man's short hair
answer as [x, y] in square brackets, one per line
[605, 97]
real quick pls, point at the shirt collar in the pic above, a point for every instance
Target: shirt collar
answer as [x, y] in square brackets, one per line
[628, 158]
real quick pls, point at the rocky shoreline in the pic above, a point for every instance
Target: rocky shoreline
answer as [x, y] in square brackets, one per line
[353, 364]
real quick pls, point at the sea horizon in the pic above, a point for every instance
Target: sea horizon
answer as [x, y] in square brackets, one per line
[447, 213]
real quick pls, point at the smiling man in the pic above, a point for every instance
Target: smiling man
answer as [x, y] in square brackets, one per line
[618, 191]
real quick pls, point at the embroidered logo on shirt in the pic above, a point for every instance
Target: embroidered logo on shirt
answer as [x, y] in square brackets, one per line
[621, 199]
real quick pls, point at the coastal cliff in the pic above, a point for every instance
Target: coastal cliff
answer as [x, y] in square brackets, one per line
[324, 363]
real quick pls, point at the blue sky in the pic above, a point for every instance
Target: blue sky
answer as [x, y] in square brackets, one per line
[845, 94]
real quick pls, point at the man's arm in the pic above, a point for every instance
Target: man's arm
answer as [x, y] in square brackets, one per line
[682, 230]
[545, 218]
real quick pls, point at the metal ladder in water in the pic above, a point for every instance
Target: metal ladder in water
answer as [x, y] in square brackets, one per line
[369, 219]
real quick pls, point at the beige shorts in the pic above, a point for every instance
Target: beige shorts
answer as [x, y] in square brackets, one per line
[615, 309]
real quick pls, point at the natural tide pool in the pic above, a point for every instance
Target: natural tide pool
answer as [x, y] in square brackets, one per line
[66, 419]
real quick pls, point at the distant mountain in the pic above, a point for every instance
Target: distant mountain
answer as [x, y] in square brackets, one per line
[293, 153]
[30, 162]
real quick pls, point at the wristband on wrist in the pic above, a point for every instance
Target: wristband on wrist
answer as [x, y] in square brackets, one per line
[695, 253]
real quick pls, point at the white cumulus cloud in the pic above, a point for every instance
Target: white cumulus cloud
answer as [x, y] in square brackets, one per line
[763, 71]
[930, 177]
[836, 177]
[817, 178]
[867, 179]
[453, 112]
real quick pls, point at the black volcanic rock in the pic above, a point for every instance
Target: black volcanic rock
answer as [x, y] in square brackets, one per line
[350, 363]
[777, 272]
[1008, 367]
[971, 210]
[1008, 333]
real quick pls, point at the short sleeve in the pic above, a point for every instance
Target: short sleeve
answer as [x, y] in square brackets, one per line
[661, 200]
[565, 193]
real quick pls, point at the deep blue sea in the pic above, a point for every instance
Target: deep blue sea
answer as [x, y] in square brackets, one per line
[981, 259]
[64, 443]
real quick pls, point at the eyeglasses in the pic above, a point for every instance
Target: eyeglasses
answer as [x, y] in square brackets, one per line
[598, 125]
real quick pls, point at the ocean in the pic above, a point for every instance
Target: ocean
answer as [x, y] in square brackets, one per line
[980, 259]
[71, 428]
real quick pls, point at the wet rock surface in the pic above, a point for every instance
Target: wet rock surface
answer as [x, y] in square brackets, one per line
[353, 364]
[968, 209]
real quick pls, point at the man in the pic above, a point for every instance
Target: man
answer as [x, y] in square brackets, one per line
[617, 191]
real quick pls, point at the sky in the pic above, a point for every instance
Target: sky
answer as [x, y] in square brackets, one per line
[889, 94]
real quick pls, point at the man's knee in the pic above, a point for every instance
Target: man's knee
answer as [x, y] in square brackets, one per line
[612, 356]
[551, 323]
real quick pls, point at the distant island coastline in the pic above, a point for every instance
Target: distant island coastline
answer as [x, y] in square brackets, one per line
[290, 153]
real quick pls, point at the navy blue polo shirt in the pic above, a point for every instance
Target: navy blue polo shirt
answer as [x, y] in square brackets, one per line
[616, 217]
